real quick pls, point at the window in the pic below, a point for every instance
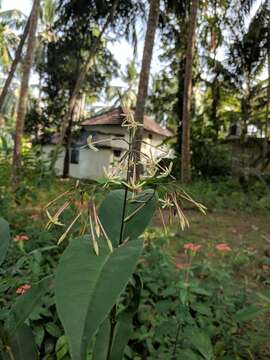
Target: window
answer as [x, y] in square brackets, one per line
[117, 153]
[75, 155]
[150, 136]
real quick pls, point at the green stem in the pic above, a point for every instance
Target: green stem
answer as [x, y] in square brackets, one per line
[126, 192]
[113, 311]
[123, 216]
[113, 323]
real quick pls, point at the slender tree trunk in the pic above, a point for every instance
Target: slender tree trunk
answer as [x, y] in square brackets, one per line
[144, 80]
[66, 164]
[265, 143]
[75, 116]
[17, 59]
[215, 102]
[83, 73]
[23, 99]
[185, 151]
[179, 105]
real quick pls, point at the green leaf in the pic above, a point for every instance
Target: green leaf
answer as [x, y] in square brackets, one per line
[202, 343]
[124, 327]
[53, 330]
[25, 304]
[102, 341]
[188, 354]
[61, 347]
[111, 210]
[123, 332]
[23, 345]
[4, 239]
[248, 313]
[91, 284]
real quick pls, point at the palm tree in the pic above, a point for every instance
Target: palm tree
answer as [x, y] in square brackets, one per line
[126, 94]
[185, 149]
[10, 22]
[22, 105]
[14, 64]
[144, 80]
[46, 34]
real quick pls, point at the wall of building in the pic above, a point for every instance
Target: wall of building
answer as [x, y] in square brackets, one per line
[110, 132]
[112, 135]
[91, 163]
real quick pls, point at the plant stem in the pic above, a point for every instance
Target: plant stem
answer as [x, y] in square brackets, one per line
[126, 192]
[9, 351]
[113, 311]
[176, 341]
[113, 323]
[123, 216]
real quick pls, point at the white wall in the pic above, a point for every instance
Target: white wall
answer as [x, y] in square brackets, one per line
[90, 165]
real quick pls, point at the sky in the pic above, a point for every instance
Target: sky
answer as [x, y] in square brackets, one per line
[121, 50]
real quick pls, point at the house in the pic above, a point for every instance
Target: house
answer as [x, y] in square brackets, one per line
[111, 138]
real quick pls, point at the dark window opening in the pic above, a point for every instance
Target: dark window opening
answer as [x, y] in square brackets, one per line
[75, 155]
[150, 136]
[117, 153]
[233, 130]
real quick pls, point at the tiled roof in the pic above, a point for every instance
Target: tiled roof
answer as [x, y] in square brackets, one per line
[116, 117]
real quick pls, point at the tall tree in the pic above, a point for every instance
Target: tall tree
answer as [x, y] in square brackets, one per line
[23, 99]
[185, 151]
[13, 67]
[67, 121]
[144, 80]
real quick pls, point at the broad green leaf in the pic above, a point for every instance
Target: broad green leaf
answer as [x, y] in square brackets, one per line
[87, 287]
[202, 343]
[23, 345]
[188, 354]
[124, 327]
[142, 207]
[25, 304]
[123, 331]
[102, 341]
[4, 239]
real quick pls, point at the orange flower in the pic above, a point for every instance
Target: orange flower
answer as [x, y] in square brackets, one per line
[192, 247]
[223, 247]
[22, 289]
[21, 238]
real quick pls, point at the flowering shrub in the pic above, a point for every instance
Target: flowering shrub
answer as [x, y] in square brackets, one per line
[195, 309]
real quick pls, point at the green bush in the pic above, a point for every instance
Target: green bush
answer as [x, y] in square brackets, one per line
[197, 312]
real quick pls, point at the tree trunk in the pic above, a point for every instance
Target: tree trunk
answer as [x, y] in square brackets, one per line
[15, 62]
[179, 105]
[185, 151]
[23, 99]
[144, 81]
[215, 102]
[83, 73]
[66, 164]
[75, 117]
[265, 143]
